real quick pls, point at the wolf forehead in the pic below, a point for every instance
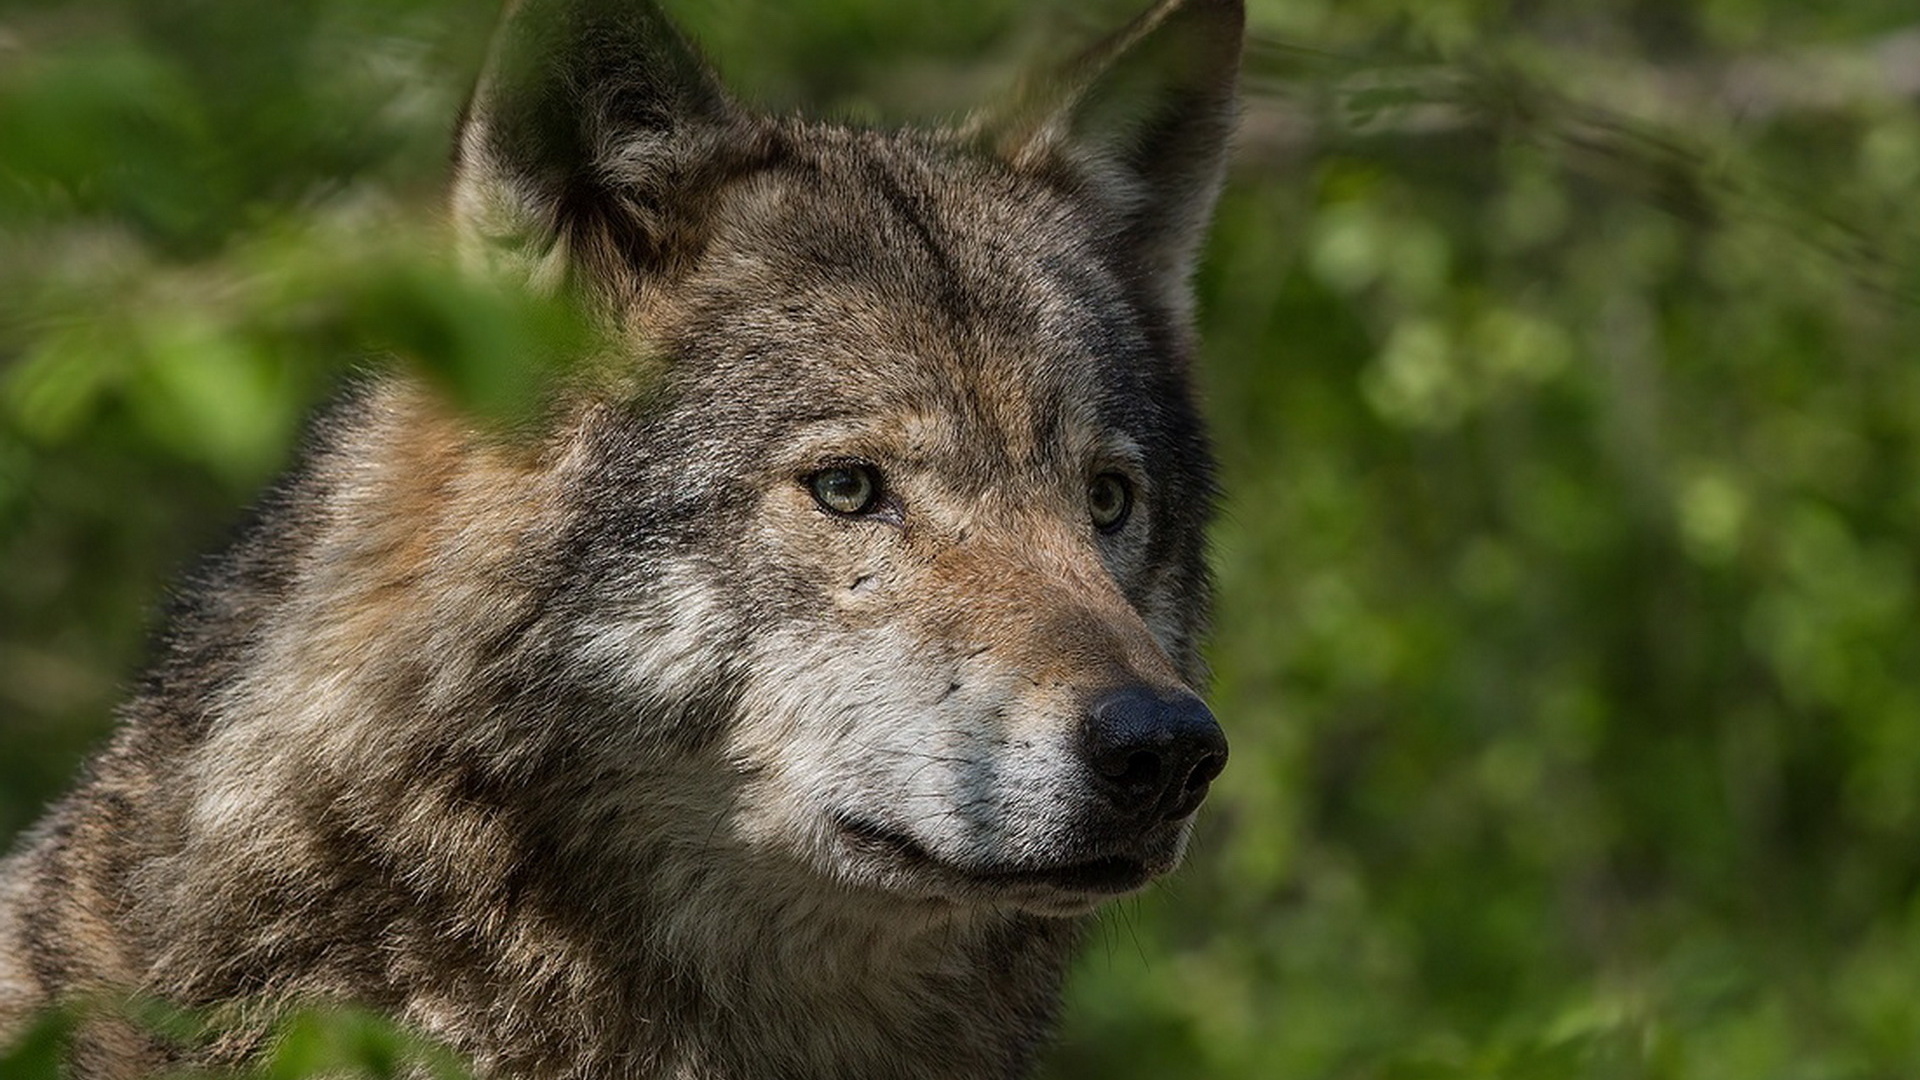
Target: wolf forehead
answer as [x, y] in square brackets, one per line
[867, 273]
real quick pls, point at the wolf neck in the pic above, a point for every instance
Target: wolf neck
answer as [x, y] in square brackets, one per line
[697, 964]
[707, 972]
[789, 985]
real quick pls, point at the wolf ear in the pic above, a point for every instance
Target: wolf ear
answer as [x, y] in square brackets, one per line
[592, 128]
[1148, 113]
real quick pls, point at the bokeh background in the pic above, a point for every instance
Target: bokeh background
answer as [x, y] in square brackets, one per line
[1561, 355]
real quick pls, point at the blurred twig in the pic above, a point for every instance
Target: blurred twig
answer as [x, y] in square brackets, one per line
[1659, 133]
[1355, 95]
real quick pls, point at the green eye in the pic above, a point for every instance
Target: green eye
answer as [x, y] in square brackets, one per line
[846, 489]
[1109, 501]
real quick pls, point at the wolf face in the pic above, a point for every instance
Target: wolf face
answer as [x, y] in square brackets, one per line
[941, 471]
[955, 511]
[764, 709]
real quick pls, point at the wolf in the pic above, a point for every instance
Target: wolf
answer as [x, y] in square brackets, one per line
[780, 701]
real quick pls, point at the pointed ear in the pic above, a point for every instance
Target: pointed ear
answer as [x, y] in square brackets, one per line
[592, 129]
[1147, 115]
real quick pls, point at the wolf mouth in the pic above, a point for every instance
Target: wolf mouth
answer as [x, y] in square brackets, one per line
[1111, 874]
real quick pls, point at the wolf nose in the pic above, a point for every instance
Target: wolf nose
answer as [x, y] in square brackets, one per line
[1156, 756]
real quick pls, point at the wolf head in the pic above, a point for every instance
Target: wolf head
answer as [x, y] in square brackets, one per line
[892, 492]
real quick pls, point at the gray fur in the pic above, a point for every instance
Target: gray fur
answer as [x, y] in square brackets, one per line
[609, 753]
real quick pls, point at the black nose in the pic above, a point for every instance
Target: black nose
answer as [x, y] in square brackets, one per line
[1157, 756]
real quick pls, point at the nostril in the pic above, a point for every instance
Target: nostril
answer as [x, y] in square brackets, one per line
[1205, 770]
[1142, 769]
[1193, 790]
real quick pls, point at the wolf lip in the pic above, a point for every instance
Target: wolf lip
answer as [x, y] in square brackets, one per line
[1108, 874]
[1113, 874]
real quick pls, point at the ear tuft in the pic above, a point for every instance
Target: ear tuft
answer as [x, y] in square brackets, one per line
[591, 123]
[1147, 116]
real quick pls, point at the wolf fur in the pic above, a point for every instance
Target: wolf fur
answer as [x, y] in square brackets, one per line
[611, 750]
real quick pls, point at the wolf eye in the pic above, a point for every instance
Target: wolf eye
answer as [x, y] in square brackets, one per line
[846, 489]
[1109, 500]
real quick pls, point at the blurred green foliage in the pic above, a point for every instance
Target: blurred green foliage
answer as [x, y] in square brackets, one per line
[1560, 356]
[339, 1044]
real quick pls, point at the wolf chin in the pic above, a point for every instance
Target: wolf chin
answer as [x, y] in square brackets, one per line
[781, 702]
